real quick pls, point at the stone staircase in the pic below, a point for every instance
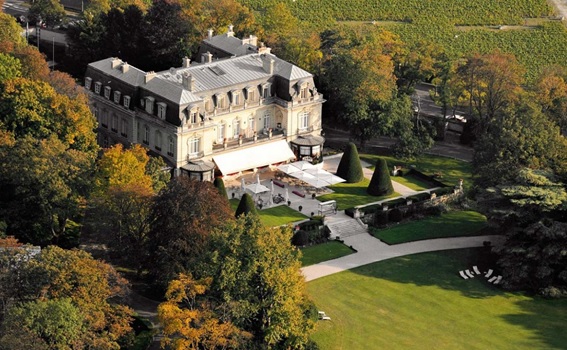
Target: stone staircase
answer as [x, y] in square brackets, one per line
[346, 228]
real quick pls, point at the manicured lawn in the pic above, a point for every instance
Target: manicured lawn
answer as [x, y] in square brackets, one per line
[412, 182]
[451, 169]
[420, 302]
[452, 224]
[350, 195]
[323, 252]
[275, 216]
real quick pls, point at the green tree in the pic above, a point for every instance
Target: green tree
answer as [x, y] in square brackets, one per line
[380, 184]
[181, 220]
[58, 323]
[10, 33]
[246, 206]
[50, 12]
[10, 67]
[349, 167]
[550, 91]
[219, 184]
[257, 280]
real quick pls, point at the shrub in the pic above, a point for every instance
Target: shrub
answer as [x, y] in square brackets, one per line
[350, 212]
[350, 168]
[371, 209]
[443, 191]
[419, 197]
[246, 206]
[436, 210]
[300, 238]
[219, 185]
[380, 184]
[395, 215]
[381, 218]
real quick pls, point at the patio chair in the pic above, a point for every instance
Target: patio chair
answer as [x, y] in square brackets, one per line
[463, 275]
[492, 279]
[476, 270]
[326, 318]
[498, 280]
[489, 273]
[469, 273]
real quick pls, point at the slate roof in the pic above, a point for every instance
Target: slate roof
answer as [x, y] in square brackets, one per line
[133, 76]
[231, 45]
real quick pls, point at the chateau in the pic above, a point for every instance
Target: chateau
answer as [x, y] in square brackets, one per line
[239, 108]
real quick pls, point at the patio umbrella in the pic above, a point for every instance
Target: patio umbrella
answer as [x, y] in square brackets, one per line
[257, 188]
[272, 185]
[286, 196]
[318, 182]
[258, 178]
[303, 176]
[242, 184]
[271, 198]
[335, 180]
[303, 165]
[288, 168]
[320, 173]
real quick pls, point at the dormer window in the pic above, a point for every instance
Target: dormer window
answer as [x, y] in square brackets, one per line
[251, 94]
[266, 90]
[97, 87]
[127, 101]
[303, 90]
[161, 107]
[107, 92]
[221, 101]
[236, 97]
[88, 82]
[117, 96]
[149, 105]
[208, 105]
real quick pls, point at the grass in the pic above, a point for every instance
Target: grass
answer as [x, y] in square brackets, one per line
[451, 169]
[419, 302]
[412, 182]
[323, 252]
[351, 195]
[452, 224]
[275, 216]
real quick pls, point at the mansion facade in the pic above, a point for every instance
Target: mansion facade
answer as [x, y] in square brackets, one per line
[242, 109]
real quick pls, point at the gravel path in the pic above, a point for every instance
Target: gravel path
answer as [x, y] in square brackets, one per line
[560, 6]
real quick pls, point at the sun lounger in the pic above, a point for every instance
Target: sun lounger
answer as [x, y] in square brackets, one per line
[498, 280]
[326, 318]
[492, 279]
[469, 273]
[476, 270]
[321, 313]
[489, 273]
[463, 275]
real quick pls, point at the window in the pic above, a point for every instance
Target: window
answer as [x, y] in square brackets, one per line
[266, 90]
[252, 124]
[97, 87]
[157, 140]
[194, 146]
[305, 150]
[303, 120]
[208, 105]
[303, 92]
[221, 101]
[127, 101]
[96, 114]
[104, 118]
[117, 96]
[114, 123]
[236, 128]
[124, 127]
[88, 82]
[251, 94]
[107, 92]
[220, 132]
[236, 98]
[150, 105]
[170, 146]
[146, 138]
[161, 107]
[267, 121]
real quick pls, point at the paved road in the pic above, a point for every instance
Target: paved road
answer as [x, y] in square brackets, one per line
[371, 250]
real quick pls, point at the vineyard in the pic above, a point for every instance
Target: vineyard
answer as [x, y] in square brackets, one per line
[460, 27]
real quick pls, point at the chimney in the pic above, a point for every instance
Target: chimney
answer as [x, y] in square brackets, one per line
[268, 64]
[115, 62]
[207, 57]
[210, 32]
[149, 76]
[186, 62]
[230, 31]
[125, 67]
[253, 40]
[188, 81]
[263, 49]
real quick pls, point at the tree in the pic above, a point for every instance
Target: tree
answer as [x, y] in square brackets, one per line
[10, 67]
[419, 62]
[10, 33]
[50, 12]
[219, 184]
[58, 323]
[380, 184]
[550, 91]
[181, 220]
[246, 206]
[257, 281]
[90, 286]
[349, 167]
[190, 323]
[119, 167]
[33, 63]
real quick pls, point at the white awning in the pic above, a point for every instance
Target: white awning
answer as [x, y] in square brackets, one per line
[254, 157]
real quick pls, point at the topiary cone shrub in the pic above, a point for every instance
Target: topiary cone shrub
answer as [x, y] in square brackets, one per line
[219, 185]
[380, 184]
[349, 167]
[246, 206]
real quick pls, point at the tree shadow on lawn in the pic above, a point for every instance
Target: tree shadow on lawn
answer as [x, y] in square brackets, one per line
[546, 317]
[438, 269]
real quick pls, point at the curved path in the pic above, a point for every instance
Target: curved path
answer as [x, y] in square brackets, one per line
[371, 250]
